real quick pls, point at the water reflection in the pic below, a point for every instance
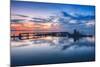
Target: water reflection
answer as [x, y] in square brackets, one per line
[50, 49]
[62, 42]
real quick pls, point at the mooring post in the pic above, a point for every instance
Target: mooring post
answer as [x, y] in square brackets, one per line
[20, 36]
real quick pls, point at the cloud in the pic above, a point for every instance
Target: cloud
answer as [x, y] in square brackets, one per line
[63, 18]
[78, 16]
[88, 17]
[90, 23]
[17, 20]
[38, 20]
[73, 21]
[21, 15]
[65, 14]
[43, 20]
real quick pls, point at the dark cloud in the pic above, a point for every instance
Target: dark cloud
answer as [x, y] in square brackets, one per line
[78, 17]
[39, 19]
[21, 15]
[65, 18]
[17, 20]
[43, 20]
[65, 14]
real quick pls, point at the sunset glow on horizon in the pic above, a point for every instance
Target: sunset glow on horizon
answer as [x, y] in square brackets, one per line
[47, 18]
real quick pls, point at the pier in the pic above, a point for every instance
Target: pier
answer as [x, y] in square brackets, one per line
[76, 35]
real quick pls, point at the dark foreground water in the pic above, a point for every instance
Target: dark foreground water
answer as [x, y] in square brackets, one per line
[50, 50]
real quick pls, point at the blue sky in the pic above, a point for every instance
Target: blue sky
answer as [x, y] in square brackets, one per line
[47, 9]
[67, 15]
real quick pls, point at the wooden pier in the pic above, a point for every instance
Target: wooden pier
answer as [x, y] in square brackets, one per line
[24, 36]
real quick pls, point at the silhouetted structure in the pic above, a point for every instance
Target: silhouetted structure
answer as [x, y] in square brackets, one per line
[76, 35]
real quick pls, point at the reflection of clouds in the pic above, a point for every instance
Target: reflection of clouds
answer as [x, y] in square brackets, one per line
[66, 43]
[20, 43]
[55, 41]
[87, 42]
[62, 43]
[92, 39]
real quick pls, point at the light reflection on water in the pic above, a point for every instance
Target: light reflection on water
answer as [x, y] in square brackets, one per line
[52, 50]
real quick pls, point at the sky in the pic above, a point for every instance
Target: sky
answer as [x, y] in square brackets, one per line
[39, 16]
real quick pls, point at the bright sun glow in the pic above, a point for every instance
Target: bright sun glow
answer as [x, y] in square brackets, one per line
[47, 26]
[28, 24]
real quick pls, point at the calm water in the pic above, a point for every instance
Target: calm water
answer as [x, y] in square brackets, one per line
[48, 50]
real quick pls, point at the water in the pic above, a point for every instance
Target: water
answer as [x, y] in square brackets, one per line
[48, 50]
